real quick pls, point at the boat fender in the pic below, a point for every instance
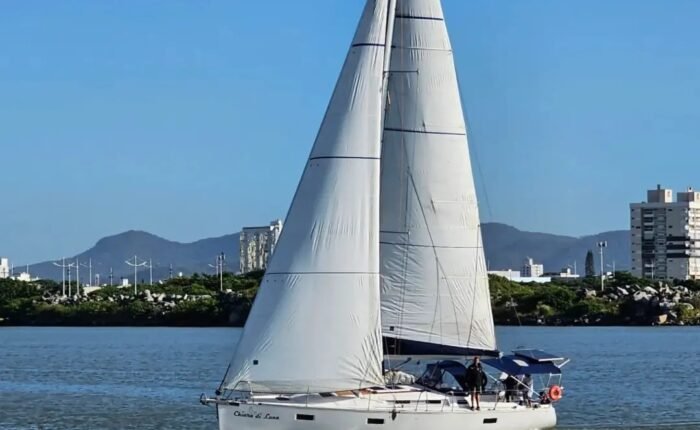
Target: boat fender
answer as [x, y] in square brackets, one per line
[394, 414]
[555, 393]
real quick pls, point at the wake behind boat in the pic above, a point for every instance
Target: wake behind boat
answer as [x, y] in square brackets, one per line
[380, 268]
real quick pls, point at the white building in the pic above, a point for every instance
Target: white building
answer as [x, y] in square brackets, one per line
[515, 276]
[665, 235]
[531, 269]
[257, 245]
[564, 275]
[24, 277]
[509, 274]
[5, 270]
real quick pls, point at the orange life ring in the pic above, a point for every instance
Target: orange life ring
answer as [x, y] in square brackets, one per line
[555, 393]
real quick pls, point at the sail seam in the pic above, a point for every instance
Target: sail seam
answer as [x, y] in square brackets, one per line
[405, 130]
[322, 273]
[379, 45]
[429, 18]
[421, 48]
[343, 157]
[429, 246]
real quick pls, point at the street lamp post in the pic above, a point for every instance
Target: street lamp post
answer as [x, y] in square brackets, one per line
[149, 264]
[222, 259]
[136, 265]
[89, 266]
[77, 276]
[70, 283]
[602, 245]
[63, 274]
[219, 266]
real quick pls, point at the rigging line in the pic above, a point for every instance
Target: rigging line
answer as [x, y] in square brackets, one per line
[484, 188]
[439, 265]
[420, 205]
[476, 274]
[409, 184]
[515, 308]
[473, 147]
[434, 248]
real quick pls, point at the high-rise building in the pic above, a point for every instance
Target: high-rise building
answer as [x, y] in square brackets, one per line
[531, 269]
[257, 245]
[4, 268]
[665, 235]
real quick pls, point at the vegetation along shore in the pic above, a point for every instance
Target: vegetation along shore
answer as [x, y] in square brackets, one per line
[199, 300]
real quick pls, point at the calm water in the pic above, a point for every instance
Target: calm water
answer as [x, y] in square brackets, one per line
[151, 378]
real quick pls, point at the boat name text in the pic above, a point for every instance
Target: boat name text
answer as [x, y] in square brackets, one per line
[251, 413]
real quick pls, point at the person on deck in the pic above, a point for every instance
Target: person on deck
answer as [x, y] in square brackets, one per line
[511, 385]
[476, 381]
[527, 390]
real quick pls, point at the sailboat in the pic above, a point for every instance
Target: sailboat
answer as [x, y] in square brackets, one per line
[380, 266]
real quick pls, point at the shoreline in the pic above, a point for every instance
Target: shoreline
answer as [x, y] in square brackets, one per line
[70, 325]
[205, 301]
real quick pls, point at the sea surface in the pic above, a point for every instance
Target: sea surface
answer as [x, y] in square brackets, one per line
[151, 378]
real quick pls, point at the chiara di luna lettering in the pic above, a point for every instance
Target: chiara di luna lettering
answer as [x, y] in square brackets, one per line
[250, 413]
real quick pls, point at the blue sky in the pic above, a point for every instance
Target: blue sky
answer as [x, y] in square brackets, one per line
[189, 119]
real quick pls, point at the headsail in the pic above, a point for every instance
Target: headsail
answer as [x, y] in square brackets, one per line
[435, 297]
[315, 324]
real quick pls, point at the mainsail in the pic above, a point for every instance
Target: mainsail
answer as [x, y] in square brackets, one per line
[315, 324]
[435, 297]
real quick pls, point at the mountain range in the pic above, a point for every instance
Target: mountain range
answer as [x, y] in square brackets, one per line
[506, 248]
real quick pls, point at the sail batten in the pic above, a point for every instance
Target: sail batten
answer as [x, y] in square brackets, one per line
[435, 297]
[315, 323]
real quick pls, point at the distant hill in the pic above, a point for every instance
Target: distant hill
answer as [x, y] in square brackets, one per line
[112, 251]
[506, 247]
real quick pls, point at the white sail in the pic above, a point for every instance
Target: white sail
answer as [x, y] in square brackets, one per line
[435, 296]
[315, 324]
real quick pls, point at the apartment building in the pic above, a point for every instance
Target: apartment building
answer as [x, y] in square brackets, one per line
[257, 245]
[665, 235]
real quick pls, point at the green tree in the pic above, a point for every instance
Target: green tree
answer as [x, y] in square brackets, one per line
[590, 267]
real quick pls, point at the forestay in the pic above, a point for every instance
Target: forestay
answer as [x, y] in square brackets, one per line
[435, 297]
[315, 324]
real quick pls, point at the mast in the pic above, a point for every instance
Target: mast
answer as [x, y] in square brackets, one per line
[435, 297]
[389, 36]
[315, 323]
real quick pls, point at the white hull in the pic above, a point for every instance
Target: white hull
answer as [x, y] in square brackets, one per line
[390, 411]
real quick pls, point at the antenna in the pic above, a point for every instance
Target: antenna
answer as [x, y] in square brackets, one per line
[136, 265]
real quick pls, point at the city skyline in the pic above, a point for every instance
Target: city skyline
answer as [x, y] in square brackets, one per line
[192, 121]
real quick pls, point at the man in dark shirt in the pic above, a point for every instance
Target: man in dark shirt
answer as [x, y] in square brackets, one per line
[511, 384]
[476, 381]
